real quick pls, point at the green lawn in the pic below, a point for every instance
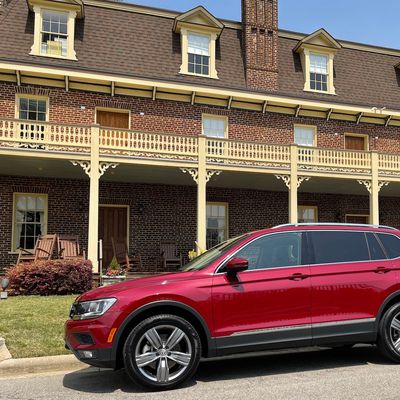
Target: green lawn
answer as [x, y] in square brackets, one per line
[33, 326]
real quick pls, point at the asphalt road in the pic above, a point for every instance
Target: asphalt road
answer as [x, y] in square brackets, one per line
[359, 373]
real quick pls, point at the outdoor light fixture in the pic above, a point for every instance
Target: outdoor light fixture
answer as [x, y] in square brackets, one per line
[4, 285]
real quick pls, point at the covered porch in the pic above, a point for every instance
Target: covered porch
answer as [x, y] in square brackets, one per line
[148, 204]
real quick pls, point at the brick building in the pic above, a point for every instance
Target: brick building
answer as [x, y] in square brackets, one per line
[118, 120]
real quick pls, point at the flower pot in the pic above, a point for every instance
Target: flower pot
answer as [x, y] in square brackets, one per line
[110, 280]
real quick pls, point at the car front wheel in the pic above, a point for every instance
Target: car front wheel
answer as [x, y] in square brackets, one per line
[162, 352]
[389, 333]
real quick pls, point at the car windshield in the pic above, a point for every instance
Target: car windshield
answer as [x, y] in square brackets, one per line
[211, 255]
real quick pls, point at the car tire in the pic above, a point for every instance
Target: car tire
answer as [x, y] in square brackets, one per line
[389, 333]
[162, 352]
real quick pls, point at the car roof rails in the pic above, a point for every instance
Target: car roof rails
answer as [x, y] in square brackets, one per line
[335, 224]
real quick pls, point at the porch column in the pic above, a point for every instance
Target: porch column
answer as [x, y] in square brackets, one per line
[94, 175]
[202, 196]
[294, 155]
[374, 192]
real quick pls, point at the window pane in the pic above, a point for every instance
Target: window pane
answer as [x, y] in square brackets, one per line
[391, 243]
[198, 44]
[318, 64]
[214, 127]
[273, 251]
[304, 136]
[375, 249]
[216, 224]
[307, 214]
[337, 247]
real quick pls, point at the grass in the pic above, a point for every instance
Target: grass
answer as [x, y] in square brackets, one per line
[33, 326]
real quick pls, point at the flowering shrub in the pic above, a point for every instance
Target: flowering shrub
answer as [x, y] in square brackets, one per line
[54, 277]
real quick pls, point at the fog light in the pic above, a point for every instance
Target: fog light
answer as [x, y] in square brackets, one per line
[87, 354]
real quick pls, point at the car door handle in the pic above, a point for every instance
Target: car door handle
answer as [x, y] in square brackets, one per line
[298, 277]
[382, 270]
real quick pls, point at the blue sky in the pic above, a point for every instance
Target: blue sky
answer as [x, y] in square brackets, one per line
[366, 21]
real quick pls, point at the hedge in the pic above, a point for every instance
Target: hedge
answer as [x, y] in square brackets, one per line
[47, 278]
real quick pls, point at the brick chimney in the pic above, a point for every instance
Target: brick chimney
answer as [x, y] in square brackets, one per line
[260, 41]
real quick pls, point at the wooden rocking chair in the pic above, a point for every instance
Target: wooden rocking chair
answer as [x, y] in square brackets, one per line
[171, 260]
[129, 262]
[68, 247]
[43, 250]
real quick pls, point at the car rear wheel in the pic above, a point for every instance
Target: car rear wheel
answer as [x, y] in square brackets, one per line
[162, 352]
[389, 333]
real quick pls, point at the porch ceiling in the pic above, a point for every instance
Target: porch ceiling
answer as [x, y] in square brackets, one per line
[63, 169]
[35, 167]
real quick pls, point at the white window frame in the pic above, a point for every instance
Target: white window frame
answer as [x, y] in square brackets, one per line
[216, 117]
[185, 31]
[20, 96]
[14, 216]
[36, 48]
[306, 55]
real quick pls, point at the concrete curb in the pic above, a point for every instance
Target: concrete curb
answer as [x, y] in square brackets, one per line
[24, 366]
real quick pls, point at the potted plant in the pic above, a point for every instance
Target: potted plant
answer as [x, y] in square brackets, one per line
[114, 274]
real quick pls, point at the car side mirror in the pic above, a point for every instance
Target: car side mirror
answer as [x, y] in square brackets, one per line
[236, 265]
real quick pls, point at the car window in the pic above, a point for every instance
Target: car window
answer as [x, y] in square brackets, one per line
[375, 249]
[273, 251]
[339, 246]
[391, 243]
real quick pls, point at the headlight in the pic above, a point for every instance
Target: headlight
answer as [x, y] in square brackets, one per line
[90, 309]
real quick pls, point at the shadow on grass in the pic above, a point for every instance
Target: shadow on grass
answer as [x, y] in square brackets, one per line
[92, 380]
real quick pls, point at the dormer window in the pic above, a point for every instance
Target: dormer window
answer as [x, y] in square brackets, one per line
[55, 27]
[318, 72]
[199, 54]
[199, 32]
[54, 35]
[317, 52]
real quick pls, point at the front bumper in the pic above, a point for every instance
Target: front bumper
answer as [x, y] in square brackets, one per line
[96, 357]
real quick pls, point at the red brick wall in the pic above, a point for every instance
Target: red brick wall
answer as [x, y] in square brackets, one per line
[169, 212]
[260, 38]
[185, 119]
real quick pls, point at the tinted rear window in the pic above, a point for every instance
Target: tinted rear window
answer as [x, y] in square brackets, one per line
[339, 246]
[375, 248]
[391, 243]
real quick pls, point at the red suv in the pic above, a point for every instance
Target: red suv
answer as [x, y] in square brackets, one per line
[289, 286]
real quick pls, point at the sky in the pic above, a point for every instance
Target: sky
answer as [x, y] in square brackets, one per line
[365, 21]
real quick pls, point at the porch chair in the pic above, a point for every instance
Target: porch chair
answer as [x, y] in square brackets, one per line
[68, 247]
[129, 262]
[43, 250]
[171, 260]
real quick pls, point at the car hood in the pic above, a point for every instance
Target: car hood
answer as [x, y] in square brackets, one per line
[117, 288]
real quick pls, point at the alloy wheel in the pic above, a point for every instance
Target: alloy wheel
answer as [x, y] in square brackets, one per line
[395, 332]
[163, 353]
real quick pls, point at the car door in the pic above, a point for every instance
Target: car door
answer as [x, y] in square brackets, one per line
[350, 278]
[269, 304]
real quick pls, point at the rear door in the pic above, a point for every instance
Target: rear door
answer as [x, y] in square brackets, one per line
[268, 305]
[350, 278]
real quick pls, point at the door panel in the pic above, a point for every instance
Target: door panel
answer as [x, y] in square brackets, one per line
[351, 289]
[112, 224]
[273, 301]
[112, 119]
[355, 143]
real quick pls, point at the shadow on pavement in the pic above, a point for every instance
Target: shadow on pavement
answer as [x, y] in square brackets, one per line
[92, 380]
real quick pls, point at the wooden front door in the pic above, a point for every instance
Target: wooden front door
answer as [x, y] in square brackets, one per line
[112, 119]
[357, 219]
[113, 223]
[355, 143]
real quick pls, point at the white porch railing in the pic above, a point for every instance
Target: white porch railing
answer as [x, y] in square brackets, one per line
[44, 136]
